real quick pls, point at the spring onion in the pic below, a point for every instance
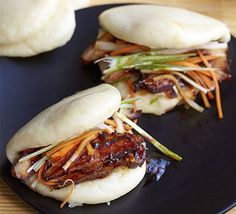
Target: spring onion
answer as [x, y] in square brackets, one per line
[149, 137]
[130, 101]
[37, 165]
[153, 100]
[139, 59]
[127, 106]
[41, 151]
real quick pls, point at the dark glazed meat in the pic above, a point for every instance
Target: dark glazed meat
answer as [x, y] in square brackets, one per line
[111, 151]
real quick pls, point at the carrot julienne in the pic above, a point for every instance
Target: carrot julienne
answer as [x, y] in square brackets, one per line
[113, 124]
[61, 153]
[40, 177]
[217, 88]
[125, 50]
[71, 141]
[69, 193]
[195, 77]
[182, 94]
[196, 60]
[90, 149]
[79, 150]
[208, 83]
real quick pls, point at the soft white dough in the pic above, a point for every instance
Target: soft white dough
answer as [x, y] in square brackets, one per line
[121, 181]
[77, 4]
[20, 19]
[67, 118]
[57, 31]
[162, 27]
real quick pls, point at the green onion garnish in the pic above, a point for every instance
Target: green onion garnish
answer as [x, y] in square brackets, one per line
[154, 142]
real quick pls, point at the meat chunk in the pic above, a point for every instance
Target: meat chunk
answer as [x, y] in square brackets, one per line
[111, 151]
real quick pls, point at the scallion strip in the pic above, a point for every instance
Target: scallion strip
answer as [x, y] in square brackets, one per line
[149, 137]
[130, 101]
[41, 151]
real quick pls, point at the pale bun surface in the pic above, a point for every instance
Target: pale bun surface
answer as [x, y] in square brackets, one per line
[157, 104]
[77, 4]
[121, 181]
[55, 33]
[160, 27]
[65, 119]
[20, 19]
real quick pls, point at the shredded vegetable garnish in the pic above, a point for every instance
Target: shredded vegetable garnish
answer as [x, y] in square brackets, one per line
[140, 60]
[37, 165]
[41, 179]
[154, 142]
[90, 149]
[34, 183]
[127, 106]
[119, 124]
[75, 140]
[153, 100]
[191, 82]
[72, 187]
[189, 101]
[78, 151]
[113, 124]
[106, 127]
[130, 101]
[125, 50]
[39, 152]
[217, 88]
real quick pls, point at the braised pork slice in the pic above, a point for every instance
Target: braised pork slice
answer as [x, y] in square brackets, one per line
[109, 151]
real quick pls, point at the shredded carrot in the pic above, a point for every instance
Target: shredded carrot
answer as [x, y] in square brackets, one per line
[132, 94]
[208, 83]
[187, 64]
[125, 50]
[78, 151]
[217, 88]
[198, 80]
[61, 153]
[40, 177]
[196, 60]
[113, 124]
[203, 75]
[69, 193]
[74, 140]
[110, 122]
[181, 92]
[206, 73]
[205, 100]
[90, 149]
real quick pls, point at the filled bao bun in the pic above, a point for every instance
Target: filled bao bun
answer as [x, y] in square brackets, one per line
[162, 27]
[73, 116]
[28, 28]
[151, 31]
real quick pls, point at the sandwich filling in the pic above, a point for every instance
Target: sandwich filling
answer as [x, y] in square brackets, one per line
[173, 73]
[89, 156]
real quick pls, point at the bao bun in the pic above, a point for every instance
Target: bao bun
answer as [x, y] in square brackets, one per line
[19, 20]
[28, 33]
[73, 116]
[160, 27]
[121, 181]
[67, 118]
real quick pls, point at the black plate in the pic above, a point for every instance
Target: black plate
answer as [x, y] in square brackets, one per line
[204, 182]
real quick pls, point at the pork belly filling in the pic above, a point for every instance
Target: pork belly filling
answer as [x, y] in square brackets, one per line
[170, 72]
[100, 157]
